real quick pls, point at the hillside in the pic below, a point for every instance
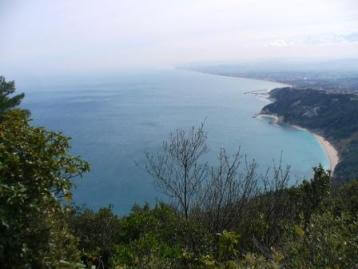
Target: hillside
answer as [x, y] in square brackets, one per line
[334, 116]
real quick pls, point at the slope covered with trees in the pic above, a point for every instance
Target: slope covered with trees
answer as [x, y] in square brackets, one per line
[334, 116]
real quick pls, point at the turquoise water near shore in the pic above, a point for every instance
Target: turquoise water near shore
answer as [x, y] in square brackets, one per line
[113, 120]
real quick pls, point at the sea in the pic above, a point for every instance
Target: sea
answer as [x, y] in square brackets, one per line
[114, 119]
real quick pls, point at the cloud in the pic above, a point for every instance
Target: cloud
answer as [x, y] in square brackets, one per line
[281, 43]
[353, 37]
[117, 34]
[315, 40]
[331, 38]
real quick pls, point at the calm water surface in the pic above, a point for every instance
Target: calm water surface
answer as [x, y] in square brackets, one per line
[114, 120]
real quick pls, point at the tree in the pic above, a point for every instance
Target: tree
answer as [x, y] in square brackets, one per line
[315, 192]
[327, 242]
[176, 167]
[98, 232]
[36, 174]
[346, 198]
[226, 194]
[7, 88]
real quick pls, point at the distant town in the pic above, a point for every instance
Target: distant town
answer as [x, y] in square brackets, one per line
[335, 77]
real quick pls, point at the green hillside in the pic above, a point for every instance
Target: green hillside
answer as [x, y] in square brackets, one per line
[334, 116]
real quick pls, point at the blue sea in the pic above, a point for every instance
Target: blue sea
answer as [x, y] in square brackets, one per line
[114, 119]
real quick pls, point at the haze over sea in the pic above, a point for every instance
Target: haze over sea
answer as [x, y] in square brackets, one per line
[113, 120]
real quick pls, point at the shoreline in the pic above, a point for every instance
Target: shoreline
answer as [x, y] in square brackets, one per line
[275, 119]
[329, 150]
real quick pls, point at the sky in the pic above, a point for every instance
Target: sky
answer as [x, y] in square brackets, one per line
[109, 35]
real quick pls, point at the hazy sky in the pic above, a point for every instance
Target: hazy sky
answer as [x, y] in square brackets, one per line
[89, 35]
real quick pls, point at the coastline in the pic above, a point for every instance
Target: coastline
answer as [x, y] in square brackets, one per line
[275, 119]
[330, 151]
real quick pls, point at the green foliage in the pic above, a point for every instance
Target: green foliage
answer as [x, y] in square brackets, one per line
[227, 245]
[148, 234]
[35, 175]
[327, 242]
[346, 199]
[160, 235]
[347, 169]
[312, 195]
[268, 215]
[7, 101]
[255, 261]
[317, 110]
[316, 230]
[97, 232]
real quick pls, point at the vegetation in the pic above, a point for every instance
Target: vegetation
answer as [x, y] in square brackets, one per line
[332, 115]
[232, 217]
[7, 101]
[306, 226]
[176, 167]
[35, 180]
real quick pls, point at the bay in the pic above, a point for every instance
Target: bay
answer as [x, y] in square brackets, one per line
[114, 119]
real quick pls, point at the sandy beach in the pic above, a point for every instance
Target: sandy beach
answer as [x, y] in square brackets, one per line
[329, 150]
